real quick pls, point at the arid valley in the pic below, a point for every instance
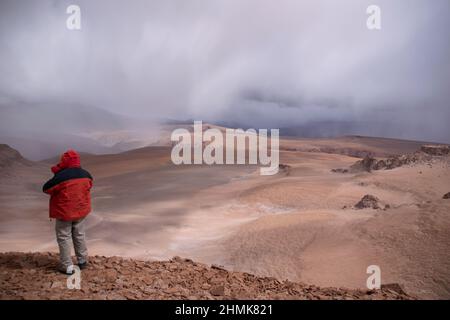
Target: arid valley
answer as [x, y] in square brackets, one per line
[302, 224]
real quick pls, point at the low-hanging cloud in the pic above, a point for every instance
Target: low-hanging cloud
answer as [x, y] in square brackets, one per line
[256, 63]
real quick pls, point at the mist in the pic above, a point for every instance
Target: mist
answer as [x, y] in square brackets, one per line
[250, 63]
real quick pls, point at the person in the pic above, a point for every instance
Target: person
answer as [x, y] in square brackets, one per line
[70, 203]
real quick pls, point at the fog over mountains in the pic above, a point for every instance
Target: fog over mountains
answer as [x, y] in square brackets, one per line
[308, 65]
[43, 130]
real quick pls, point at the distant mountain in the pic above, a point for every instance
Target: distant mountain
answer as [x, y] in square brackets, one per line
[39, 146]
[55, 118]
[339, 128]
[42, 130]
[10, 156]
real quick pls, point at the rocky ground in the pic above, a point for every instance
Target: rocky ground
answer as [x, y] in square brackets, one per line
[33, 276]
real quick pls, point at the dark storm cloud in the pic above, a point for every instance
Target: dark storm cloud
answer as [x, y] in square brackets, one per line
[255, 62]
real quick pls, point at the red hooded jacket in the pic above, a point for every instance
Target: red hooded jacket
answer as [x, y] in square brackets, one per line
[69, 189]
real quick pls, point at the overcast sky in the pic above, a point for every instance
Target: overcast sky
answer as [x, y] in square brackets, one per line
[260, 63]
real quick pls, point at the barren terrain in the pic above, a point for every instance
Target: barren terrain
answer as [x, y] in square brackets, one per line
[300, 224]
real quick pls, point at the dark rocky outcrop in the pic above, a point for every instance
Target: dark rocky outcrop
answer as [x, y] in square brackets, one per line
[285, 168]
[370, 201]
[367, 164]
[340, 170]
[436, 150]
[425, 154]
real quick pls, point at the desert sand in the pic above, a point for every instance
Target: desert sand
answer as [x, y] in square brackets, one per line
[299, 224]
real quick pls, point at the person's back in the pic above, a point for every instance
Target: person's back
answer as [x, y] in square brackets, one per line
[70, 203]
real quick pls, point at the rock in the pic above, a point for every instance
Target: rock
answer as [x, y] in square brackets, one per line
[159, 284]
[147, 280]
[130, 295]
[394, 287]
[217, 267]
[172, 290]
[125, 271]
[176, 259]
[172, 267]
[42, 261]
[205, 286]
[446, 196]
[381, 164]
[56, 285]
[284, 168]
[367, 164]
[368, 201]
[217, 290]
[436, 150]
[425, 155]
[150, 290]
[30, 296]
[110, 275]
[339, 170]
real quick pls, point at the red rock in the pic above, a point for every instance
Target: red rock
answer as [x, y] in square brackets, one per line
[393, 287]
[110, 275]
[217, 290]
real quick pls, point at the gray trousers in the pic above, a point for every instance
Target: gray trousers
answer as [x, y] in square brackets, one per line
[66, 233]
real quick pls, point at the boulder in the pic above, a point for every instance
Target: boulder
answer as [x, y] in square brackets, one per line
[367, 164]
[393, 287]
[217, 290]
[368, 201]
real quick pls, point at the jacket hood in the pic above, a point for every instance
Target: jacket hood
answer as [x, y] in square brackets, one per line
[69, 159]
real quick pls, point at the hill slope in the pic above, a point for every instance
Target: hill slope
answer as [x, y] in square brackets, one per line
[10, 156]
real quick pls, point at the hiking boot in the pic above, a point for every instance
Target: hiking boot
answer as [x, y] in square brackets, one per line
[68, 271]
[83, 265]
